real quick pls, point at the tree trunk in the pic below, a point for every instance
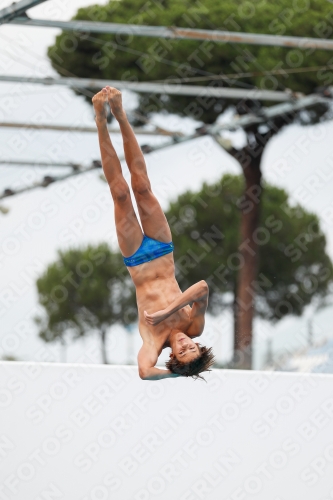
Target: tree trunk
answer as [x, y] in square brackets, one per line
[103, 338]
[248, 258]
[234, 311]
[130, 350]
[63, 350]
[249, 158]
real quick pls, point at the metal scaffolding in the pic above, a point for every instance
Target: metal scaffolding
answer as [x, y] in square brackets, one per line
[17, 9]
[137, 130]
[159, 88]
[266, 114]
[290, 101]
[48, 179]
[174, 32]
[24, 163]
[237, 122]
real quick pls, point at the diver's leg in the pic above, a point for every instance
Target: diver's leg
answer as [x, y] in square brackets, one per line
[153, 220]
[128, 229]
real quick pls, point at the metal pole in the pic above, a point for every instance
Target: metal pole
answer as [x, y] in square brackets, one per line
[17, 9]
[310, 332]
[136, 130]
[38, 163]
[158, 88]
[269, 113]
[243, 121]
[174, 32]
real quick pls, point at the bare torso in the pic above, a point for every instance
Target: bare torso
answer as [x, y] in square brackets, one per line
[156, 288]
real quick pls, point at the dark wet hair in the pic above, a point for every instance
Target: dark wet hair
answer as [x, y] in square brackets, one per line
[192, 369]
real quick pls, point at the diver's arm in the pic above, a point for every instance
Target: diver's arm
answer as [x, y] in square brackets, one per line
[147, 359]
[153, 373]
[197, 293]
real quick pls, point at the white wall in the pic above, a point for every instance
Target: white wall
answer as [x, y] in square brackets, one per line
[87, 432]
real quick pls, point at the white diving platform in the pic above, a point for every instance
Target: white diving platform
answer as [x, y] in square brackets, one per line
[97, 432]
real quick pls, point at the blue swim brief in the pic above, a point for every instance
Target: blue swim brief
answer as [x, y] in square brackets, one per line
[149, 249]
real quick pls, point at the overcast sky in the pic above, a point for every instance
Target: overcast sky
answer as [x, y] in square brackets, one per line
[79, 210]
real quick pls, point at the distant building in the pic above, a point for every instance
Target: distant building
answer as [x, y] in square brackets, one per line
[314, 359]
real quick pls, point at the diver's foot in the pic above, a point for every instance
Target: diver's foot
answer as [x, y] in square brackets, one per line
[115, 101]
[99, 101]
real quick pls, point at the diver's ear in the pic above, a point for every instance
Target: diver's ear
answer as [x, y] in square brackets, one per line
[171, 355]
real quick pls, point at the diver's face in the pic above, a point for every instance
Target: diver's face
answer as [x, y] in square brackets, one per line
[184, 349]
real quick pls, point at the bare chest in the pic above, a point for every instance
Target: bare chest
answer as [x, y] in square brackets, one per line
[156, 288]
[159, 334]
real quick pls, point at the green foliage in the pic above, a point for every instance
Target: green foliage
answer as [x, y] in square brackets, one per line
[136, 58]
[9, 357]
[86, 289]
[293, 264]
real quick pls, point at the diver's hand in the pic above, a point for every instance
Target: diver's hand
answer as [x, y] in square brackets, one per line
[157, 317]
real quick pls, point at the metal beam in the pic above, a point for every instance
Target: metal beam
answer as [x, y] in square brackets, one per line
[174, 32]
[158, 88]
[137, 130]
[24, 163]
[266, 114]
[47, 180]
[17, 9]
[213, 130]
